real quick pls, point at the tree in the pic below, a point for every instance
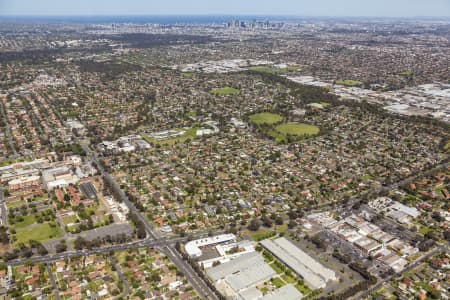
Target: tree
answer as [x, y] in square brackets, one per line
[26, 252]
[279, 220]
[292, 215]
[41, 250]
[254, 225]
[447, 235]
[292, 224]
[432, 235]
[267, 221]
[29, 264]
[319, 242]
[155, 277]
[437, 216]
[140, 232]
[61, 246]
[66, 197]
[10, 256]
[79, 243]
[4, 239]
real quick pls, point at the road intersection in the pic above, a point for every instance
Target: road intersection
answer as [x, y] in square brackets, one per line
[168, 245]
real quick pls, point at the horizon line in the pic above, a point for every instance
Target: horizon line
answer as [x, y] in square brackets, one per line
[215, 15]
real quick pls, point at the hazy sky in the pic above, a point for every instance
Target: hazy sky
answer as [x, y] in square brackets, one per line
[400, 8]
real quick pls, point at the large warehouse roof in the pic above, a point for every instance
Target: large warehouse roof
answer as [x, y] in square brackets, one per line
[251, 276]
[241, 263]
[243, 272]
[314, 274]
[287, 292]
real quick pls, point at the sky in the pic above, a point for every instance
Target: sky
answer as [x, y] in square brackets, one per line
[371, 8]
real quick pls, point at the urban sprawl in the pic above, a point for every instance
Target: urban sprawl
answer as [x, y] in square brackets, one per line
[247, 160]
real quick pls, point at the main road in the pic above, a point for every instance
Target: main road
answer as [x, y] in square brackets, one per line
[76, 253]
[3, 210]
[166, 247]
[122, 278]
[53, 282]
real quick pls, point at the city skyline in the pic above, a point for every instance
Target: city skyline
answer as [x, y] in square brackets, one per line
[350, 8]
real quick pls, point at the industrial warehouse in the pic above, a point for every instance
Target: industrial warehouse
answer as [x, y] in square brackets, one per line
[240, 272]
[314, 274]
[242, 277]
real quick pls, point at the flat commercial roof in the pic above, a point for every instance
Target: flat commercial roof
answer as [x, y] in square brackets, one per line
[251, 293]
[314, 274]
[287, 292]
[243, 272]
[240, 263]
[411, 211]
[246, 278]
[192, 247]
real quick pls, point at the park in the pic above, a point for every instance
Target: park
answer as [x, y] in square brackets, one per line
[282, 132]
[288, 132]
[266, 118]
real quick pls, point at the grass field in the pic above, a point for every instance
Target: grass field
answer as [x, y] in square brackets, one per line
[40, 233]
[281, 132]
[17, 203]
[297, 129]
[93, 208]
[302, 288]
[262, 234]
[277, 282]
[225, 91]
[266, 118]
[27, 220]
[40, 198]
[288, 279]
[347, 82]
[276, 268]
[189, 134]
[69, 219]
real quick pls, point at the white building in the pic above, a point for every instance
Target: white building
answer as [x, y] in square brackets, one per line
[314, 273]
[238, 279]
[193, 247]
[58, 177]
